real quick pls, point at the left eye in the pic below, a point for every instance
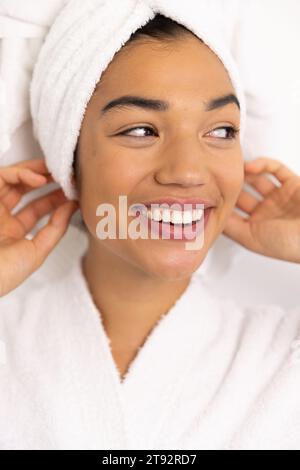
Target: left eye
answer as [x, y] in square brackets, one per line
[134, 128]
[225, 132]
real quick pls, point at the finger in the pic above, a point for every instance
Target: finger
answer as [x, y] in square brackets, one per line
[14, 176]
[27, 255]
[238, 229]
[35, 164]
[269, 165]
[38, 208]
[11, 195]
[49, 235]
[48, 178]
[246, 202]
[261, 183]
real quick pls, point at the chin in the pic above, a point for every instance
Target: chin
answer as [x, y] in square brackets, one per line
[177, 267]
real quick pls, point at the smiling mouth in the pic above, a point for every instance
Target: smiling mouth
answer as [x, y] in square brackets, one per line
[194, 223]
[173, 229]
[172, 216]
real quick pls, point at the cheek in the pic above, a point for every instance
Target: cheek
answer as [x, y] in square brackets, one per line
[230, 180]
[104, 178]
[113, 176]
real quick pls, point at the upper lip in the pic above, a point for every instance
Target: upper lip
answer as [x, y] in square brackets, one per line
[181, 202]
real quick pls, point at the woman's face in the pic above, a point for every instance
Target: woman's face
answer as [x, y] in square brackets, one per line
[175, 152]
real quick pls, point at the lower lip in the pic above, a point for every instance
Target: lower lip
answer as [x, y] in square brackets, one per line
[180, 232]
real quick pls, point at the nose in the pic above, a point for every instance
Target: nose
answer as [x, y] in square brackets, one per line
[183, 163]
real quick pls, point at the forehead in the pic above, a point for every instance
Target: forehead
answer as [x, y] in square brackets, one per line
[184, 65]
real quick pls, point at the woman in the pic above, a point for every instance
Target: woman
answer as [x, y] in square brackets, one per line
[130, 351]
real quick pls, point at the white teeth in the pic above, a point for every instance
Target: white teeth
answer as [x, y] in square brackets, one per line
[166, 216]
[157, 215]
[187, 217]
[197, 214]
[176, 217]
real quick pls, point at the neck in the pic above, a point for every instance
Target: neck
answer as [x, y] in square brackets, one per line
[130, 301]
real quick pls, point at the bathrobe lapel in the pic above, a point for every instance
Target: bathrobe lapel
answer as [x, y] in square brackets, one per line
[89, 409]
[141, 404]
[159, 374]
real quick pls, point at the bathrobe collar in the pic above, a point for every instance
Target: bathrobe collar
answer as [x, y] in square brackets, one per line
[140, 404]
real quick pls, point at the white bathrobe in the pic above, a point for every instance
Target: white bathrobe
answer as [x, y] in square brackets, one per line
[211, 375]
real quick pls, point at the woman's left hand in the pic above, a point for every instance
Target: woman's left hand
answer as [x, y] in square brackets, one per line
[272, 225]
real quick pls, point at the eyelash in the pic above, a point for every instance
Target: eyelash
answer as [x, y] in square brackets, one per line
[232, 130]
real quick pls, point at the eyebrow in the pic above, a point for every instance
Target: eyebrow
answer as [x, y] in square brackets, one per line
[160, 105]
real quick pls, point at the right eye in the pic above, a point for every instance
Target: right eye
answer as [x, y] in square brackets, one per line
[126, 132]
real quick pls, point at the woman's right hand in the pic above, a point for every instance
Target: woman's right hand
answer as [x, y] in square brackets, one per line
[19, 256]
